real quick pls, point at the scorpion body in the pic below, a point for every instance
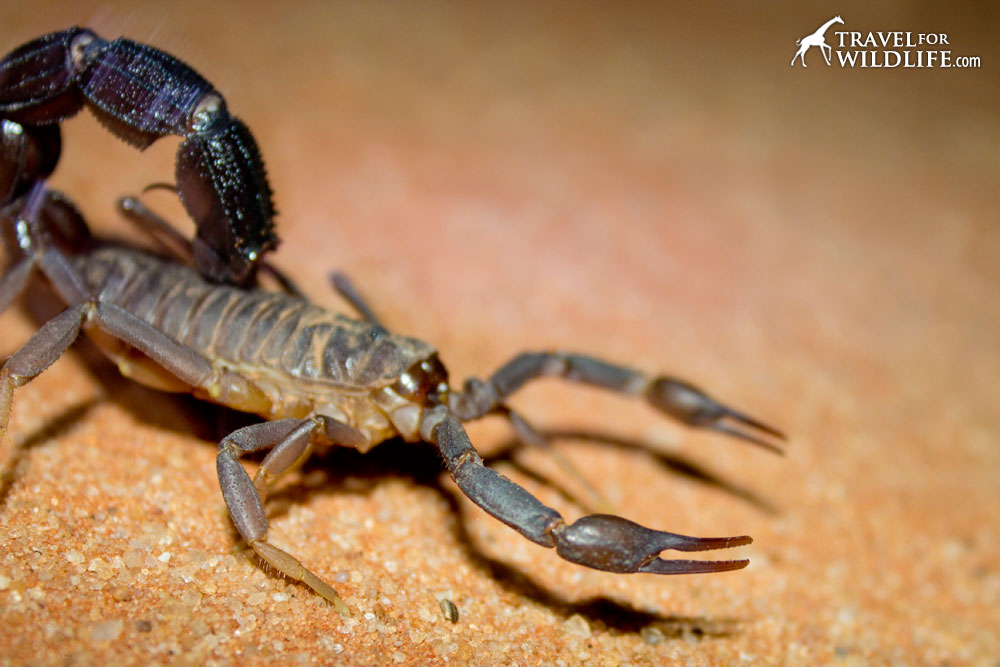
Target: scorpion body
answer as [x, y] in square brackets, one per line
[283, 356]
[318, 378]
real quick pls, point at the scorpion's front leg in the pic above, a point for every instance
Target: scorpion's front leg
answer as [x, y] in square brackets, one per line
[141, 94]
[600, 541]
[675, 397]
[289, 441]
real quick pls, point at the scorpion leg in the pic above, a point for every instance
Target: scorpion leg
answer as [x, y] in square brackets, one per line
[181, 249]
[171, 241]
[41, 350]
[19, 231]
[55, 337]
[600, 541]
[177, 245]
[289, 441]
[15, 280]
[677, 398]
[345, 288]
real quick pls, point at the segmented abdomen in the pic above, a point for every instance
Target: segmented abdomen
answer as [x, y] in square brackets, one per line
[256, 329]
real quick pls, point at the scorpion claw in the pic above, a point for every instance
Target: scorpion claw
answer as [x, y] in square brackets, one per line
[660, 566]
[615, 544]
[749, 437]
[692, 406]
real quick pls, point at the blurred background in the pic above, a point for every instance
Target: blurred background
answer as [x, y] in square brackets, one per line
[817, 246]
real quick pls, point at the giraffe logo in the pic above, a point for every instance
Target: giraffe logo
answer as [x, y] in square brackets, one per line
[816, 39]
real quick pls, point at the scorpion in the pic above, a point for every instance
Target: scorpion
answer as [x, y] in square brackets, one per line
[317, 377]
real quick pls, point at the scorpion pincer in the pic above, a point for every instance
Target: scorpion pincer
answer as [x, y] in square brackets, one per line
[140, 94]
[321, 378]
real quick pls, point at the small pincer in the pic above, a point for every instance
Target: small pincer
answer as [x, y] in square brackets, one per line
[692, 406]
[38, 80]
[37, 90]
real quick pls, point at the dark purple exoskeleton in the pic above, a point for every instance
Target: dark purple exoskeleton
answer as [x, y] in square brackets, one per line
[141, 94]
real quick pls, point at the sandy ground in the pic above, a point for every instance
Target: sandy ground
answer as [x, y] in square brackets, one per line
[817, 246]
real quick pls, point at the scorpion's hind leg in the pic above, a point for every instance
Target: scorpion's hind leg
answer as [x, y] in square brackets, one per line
[49, 342]
[599, 541]
[177, 245]
[171, 241]
[346, 289]
[54, 338]
[677, 398]
[41, 350]
[289, 441]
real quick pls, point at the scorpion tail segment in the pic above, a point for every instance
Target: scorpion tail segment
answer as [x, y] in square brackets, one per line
[27, 154]
[141, 93]
[599, 541]
[223, 185]
[40, 219]
[692, 406]
[37, 79]
[62, 215]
